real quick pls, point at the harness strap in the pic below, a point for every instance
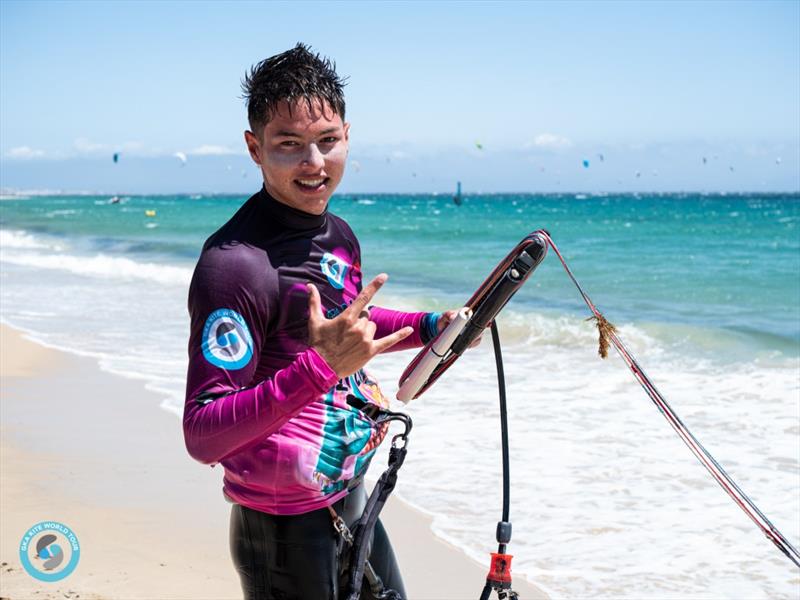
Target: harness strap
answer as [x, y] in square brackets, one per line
[354, 557]
[376, 585]
[366, 524]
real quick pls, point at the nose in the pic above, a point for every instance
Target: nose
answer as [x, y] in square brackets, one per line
[313, 157]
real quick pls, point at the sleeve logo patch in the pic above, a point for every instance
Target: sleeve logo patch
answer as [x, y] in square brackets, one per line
[227, 342]
[335, 269]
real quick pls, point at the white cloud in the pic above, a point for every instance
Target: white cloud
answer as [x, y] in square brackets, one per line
[211, 150]
[86, 146]
[135, 147]
[551, 141]
[24, 152]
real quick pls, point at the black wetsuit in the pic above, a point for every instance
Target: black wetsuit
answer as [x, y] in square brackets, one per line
[295, 557]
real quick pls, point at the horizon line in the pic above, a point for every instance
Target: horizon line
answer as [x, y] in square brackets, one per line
[48, 192]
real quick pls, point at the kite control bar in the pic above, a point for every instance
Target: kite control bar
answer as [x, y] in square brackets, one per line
[441, 352]
[478, 313]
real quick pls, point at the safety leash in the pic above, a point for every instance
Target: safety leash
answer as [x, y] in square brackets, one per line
[499, 576]
[608, 333]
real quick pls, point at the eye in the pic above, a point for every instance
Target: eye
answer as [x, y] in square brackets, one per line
[289, 144]
[329, 140]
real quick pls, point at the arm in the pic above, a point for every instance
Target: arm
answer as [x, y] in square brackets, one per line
[225, 410]
[219, 424]
[388, 321]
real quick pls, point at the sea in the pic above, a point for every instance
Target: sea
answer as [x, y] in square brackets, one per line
[606, 501]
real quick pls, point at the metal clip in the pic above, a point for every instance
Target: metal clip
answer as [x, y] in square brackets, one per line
[401, 436]
[340, 526]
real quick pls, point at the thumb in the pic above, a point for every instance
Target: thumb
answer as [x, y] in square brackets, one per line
[314, 302]
[445, 320]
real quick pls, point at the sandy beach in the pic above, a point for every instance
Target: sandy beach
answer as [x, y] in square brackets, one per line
[93, 451]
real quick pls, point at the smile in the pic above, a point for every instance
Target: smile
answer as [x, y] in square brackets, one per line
[312, 184]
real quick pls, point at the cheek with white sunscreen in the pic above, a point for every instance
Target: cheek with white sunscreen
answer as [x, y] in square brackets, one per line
[284, 159]
[337, 154]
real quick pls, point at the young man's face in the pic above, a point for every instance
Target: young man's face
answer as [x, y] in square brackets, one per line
[302, 155]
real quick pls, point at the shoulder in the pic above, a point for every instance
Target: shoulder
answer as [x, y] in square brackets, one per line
[340, 227]
[239, 228]
[233, 259]
[231, 274]
[339, 223]
[235, 254]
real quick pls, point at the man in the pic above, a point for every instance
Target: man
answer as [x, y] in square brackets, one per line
[281, 329]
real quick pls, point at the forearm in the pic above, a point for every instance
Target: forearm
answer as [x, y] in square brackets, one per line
[388, 321]
[218, 425]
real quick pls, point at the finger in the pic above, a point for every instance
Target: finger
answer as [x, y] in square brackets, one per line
[366, 294]
[390, 340]
[370, 328]
[314, 302]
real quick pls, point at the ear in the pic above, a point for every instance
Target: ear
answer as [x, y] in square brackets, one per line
[253, 146]
[347, 132]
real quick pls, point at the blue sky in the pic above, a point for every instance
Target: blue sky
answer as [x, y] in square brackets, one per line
[653, 87]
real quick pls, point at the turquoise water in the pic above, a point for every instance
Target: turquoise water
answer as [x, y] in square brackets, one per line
[606, 502]
[727, 264]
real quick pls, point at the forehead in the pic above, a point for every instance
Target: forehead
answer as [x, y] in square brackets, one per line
[301, 116]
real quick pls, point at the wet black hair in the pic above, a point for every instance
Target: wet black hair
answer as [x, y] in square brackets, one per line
[295, 74]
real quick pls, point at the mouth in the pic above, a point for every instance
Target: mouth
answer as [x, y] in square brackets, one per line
[312, 185]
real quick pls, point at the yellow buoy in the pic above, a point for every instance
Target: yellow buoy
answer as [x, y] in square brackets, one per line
[150, 213]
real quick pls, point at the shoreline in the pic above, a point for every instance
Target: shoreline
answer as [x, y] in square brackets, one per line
[86, 448]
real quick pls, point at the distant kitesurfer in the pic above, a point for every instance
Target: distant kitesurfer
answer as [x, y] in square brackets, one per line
[281, 328]
[457, 198]
[181, 157]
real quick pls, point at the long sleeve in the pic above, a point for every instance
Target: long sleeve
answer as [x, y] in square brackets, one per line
[217, 427]
[388, 321]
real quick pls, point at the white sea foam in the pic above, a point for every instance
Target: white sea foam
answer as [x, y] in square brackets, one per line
[61, 213]
[21, 239]
[23, 249]
[104, 266]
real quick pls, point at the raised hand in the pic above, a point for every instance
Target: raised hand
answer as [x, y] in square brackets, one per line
[347, 342]
[446, 318]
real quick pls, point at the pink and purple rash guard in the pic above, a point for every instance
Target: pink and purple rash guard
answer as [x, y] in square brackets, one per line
[259, 400]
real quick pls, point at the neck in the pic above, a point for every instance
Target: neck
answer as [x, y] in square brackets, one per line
[290, 217]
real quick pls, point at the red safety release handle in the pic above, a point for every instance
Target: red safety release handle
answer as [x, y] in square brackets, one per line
[500, 570]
